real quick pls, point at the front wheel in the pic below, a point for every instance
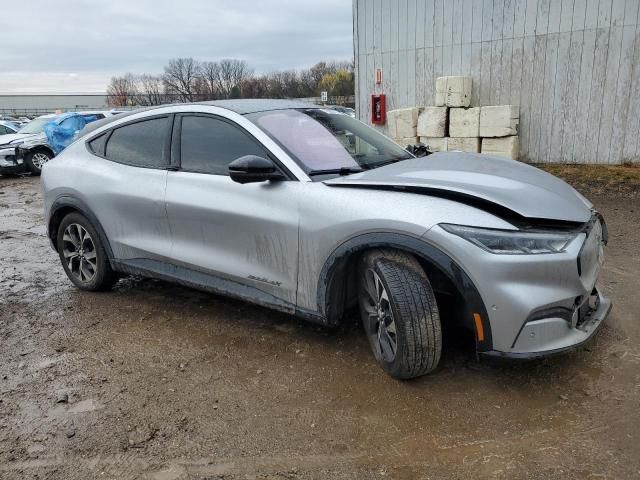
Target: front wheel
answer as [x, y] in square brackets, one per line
[399, 313]
[36, 160]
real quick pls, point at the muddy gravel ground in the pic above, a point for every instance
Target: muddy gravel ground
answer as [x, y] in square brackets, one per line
[156, 381]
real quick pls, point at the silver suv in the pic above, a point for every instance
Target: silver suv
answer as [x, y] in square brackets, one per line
[309, 211]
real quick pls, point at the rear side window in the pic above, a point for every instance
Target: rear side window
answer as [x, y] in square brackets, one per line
[140, 144]
[209, 144]
[97, 144]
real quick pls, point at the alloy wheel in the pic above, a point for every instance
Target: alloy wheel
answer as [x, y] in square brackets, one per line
[79, 252]
[381, 325]
[39, 159]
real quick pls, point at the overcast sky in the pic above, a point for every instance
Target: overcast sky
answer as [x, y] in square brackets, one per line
[77, 45]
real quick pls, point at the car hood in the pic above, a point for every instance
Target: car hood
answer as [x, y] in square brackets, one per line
[11, 137]
[525, 190]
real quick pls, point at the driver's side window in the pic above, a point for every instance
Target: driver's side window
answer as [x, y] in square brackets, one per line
[209, 144]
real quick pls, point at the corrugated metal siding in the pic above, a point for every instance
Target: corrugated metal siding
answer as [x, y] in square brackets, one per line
[573, 66]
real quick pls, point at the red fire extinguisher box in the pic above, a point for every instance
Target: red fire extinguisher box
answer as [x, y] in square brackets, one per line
[378, 109]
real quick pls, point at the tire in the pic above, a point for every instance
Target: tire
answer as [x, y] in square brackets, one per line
[36, 159]
[409, 313]
[82, 254]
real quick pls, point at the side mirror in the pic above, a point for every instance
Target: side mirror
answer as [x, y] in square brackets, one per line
[251, 168]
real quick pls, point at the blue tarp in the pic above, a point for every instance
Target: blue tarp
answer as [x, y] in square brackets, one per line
[61, 130]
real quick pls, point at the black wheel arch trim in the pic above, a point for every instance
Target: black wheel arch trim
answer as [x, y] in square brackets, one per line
[421, 249]
[68, 201]
[24, 151]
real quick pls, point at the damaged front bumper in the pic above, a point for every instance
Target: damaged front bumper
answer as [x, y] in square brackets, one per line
[10, 161]
[555, 333]
[537, 305]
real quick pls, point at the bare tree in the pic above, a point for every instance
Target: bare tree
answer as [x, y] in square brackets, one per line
[151, 90]
[255, 87]
[121, 91]
[231, 74]
[180, 77]
[186, 79]
[210, 79]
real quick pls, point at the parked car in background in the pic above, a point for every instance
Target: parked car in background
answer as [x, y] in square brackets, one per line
[266, 201]
[20, 122]
[28, 149]
[7, 128]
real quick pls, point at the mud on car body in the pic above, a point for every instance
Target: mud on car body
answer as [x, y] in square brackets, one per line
[311, 212]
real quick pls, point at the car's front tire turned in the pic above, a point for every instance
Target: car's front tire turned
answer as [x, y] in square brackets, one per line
[82, 254]
[399, 313]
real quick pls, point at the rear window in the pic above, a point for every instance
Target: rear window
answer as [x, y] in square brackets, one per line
[140, 144]
[97, 144]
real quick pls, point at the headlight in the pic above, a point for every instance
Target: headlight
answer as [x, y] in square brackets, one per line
[512, 242]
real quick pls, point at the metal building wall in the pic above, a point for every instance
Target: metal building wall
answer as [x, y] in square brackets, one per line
[25, 104]
[573, 67]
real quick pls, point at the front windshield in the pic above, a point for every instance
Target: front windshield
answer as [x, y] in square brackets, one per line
[35, 126]
[326, 141]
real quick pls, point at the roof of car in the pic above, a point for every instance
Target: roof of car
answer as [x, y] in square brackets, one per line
[241, 106]
[253, 105]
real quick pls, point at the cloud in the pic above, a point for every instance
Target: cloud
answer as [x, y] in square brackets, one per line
[44, 42]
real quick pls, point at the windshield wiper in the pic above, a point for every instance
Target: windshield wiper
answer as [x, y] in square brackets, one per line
[339, 171]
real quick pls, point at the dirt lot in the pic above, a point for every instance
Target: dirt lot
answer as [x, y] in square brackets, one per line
[161, 382]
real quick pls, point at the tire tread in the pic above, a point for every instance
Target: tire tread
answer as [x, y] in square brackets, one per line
[415, 307]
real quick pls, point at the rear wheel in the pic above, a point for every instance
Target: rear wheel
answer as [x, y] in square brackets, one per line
[36, 160]
[399, 313]
[83, 255]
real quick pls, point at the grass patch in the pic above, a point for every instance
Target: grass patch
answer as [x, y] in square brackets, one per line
[618, 180]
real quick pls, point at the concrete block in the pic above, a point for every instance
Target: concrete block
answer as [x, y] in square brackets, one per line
[432, 122]
[463, 144]
[464, 122]
[453, 91]
[499, 121]
[404, 141]
[391, 124]
[501, 147]
[435, 144]
[403, 122]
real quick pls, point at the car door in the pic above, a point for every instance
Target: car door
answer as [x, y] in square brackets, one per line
[129, 189]
[244, 234]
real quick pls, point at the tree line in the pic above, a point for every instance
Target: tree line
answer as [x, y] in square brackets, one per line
[188, 80]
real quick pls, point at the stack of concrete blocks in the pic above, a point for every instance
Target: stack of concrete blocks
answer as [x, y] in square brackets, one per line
[403, 124]
[499, 130]
[453, 125]
[438, 126]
